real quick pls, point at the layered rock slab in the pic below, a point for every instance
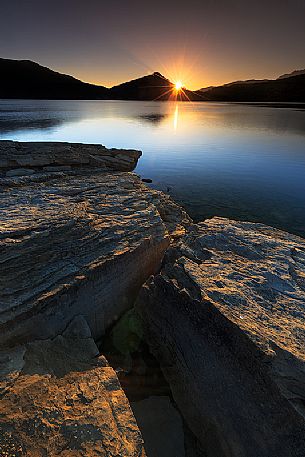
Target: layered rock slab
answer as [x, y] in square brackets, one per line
[225, 317]
[16, 157]
[64, 401]
[78, 243]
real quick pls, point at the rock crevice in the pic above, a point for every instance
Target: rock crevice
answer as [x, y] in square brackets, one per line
[225, 319]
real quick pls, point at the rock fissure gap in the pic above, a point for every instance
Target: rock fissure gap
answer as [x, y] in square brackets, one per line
[162, 425]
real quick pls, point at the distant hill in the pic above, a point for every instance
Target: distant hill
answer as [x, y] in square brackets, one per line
[247, 81]
[150, 87]
[290, 89]
[293, 73]
[27, 79]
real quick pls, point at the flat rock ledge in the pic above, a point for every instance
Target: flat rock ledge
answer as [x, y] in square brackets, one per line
[225, 318]
[26, 158]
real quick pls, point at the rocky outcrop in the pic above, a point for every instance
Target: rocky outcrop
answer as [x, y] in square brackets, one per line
[225, 318]
[223, 313]
[79, 236]
[17, 157]
[82, 245]
[59, 399]
[75, 242]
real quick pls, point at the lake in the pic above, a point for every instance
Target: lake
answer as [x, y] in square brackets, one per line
[234, 160]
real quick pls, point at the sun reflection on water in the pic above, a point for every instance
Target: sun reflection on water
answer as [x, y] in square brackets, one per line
[176, 115]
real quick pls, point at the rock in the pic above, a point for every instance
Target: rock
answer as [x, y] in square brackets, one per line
[66, 402]
[161, 427]
[19, 172]
[58, 168]
[80, 243]
[225, 318]
[37, 155]
[77, 241]
[147, 180]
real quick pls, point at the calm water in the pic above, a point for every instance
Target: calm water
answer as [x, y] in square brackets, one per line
[238, 161]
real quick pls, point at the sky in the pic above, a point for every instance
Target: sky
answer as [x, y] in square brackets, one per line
[200, 42]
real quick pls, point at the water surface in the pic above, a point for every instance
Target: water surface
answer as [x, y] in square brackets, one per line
[234, 160]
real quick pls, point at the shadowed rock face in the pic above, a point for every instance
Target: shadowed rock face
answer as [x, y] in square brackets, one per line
[60, 400]
[225, 318]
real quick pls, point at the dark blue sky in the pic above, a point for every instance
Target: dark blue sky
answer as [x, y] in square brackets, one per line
[200, 42]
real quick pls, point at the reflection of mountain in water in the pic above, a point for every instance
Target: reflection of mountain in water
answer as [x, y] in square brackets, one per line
[7, 126]
[154, 118]
[24, 115]
[204, 118]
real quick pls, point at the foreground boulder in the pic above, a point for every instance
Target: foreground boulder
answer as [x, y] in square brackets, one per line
[225, 318]
[59, 399]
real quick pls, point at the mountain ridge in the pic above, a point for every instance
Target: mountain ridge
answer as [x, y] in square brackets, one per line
[26, 79]
[292, 73]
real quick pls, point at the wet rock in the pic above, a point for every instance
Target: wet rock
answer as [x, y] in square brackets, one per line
[225, 318]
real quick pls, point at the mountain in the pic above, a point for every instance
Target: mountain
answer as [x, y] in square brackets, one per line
[290, 89]
[247, 81]
[293, 73]
[27, 79]
[150, 87]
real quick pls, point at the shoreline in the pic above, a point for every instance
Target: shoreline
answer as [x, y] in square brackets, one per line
[220, 305]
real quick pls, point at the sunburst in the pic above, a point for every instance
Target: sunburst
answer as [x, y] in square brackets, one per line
[178, 86]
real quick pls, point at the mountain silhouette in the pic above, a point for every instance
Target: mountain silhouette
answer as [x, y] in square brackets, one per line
[150, 87]
[293, 73]
[28, 80]
[289, 89]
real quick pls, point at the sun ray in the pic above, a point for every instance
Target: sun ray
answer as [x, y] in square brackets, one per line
[178, 86]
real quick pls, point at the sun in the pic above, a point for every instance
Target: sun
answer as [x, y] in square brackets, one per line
[178, 86]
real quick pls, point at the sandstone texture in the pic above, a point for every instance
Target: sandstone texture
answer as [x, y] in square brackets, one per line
[225, 318]
[64, 401]
[76, 242]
